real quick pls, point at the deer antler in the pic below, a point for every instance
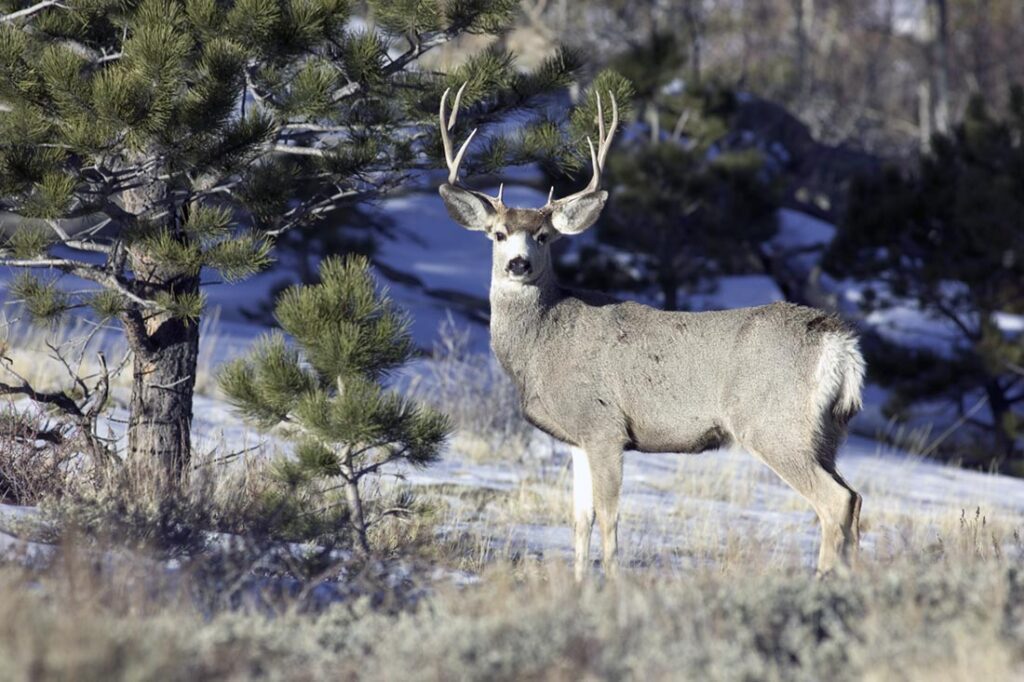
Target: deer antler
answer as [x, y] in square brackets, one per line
[596, 158]
[454, 162]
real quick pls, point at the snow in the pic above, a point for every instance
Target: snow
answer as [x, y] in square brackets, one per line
[798, 230]
[659, 519]
[738, 291]
[672, 506]
[1009, 324]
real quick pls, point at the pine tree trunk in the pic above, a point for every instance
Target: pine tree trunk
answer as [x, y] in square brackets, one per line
[355, 507]
[939, 58]
[160, 417]
[165, 348]
[800, 37]
[999, 407]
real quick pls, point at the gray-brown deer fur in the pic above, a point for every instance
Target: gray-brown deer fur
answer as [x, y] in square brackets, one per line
[780, 381]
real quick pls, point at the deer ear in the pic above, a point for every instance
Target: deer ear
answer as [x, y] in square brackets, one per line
[576, 215]
[466, 208]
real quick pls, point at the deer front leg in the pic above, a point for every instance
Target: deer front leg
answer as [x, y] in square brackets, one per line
[606, 472]
[583, 510]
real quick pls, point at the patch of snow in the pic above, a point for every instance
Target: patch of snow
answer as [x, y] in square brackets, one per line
[1009, 324]
[798, 230]
[738, 291]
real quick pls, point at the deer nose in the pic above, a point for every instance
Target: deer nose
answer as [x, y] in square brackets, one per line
[518, 266]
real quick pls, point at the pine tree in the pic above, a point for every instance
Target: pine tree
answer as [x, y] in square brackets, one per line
[149, 145]
[323, 389]
[950, 240]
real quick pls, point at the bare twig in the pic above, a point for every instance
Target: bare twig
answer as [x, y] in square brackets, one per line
[29, 11]
[58, 399]
[300, 151]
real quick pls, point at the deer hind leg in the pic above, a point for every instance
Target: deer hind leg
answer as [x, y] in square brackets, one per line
[606, 472]
[836, 504]
[583, 511]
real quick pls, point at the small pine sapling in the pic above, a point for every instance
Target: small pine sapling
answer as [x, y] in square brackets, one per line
[323, 388]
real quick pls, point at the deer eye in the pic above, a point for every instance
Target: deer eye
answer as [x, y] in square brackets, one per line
[542, 238]
[499, 236]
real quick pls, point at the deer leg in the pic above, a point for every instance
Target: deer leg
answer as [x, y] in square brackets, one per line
[606, 471]
[583, 510]
[838, 509]
[836, 504]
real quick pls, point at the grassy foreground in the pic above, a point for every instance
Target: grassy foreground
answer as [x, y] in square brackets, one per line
[935, 618]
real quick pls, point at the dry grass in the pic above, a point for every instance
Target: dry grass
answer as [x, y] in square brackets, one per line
[957, 615]
[479, 397]
[33, 468]
[33, 350]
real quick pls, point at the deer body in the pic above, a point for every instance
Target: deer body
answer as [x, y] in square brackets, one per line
[781, 380]
[656, 381]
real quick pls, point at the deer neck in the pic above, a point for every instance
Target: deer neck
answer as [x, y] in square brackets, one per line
[518, 316]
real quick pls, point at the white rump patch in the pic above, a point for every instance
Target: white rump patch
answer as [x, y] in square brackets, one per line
[839, 376]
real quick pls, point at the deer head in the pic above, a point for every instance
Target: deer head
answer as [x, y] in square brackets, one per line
[522, 236]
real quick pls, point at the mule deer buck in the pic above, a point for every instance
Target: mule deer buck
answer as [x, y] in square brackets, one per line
[780, 380]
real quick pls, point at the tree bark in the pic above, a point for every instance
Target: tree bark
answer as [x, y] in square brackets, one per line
[804, 11]
[355, 507]
[692, 14]
[939, 62]
[166, 352]
[165, 347]
[999, 406]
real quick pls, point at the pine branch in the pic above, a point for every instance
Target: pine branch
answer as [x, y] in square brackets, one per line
[370, 468]
[87, 271]
[953, 317]
[78, 244]
[419, 47]
[301, 214]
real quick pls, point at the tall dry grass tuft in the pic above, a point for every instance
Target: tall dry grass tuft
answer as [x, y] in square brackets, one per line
[479, 397]
[31, 349]
[38, 460]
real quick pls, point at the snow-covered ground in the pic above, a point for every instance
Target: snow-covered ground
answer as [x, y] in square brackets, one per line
[678, 509]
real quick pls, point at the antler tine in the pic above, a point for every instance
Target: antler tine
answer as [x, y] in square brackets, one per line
[455, 105]
[606, 142]
[595, 177]
[447, 123]
[453, 168]
[445, 140]
[453, 163]
[598, 156]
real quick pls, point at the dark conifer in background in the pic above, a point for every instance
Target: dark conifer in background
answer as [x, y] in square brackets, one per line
[949, 239]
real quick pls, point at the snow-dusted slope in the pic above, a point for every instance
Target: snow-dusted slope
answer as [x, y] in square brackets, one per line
[680, 508]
